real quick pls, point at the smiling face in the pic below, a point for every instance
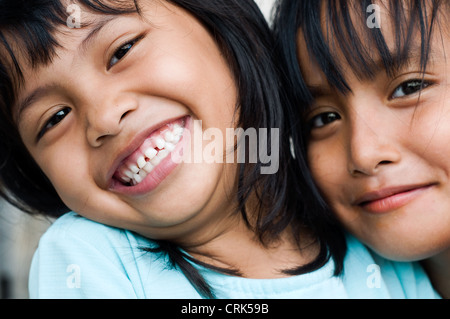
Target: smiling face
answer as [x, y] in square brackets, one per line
[380, 153]
[124, 89]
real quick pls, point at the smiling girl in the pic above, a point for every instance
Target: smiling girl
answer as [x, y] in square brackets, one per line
[375, 79]
[91, 118]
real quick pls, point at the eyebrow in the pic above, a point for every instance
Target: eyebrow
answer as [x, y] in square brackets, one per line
[42, 91]
[94, 33]
[396, 61]
[413, 56]
[319, 90]
[34, 96]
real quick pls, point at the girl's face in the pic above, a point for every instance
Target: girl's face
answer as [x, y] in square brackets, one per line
[381, 153]
[124, 89]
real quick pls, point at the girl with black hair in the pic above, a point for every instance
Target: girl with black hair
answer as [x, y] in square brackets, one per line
[371, 81]
[99, 100]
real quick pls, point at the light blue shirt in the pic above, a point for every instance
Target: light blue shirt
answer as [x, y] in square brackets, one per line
[78, 258]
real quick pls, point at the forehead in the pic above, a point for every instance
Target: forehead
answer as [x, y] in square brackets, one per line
[352, 40]
[70, 56]
[42, 33]
[31, 35]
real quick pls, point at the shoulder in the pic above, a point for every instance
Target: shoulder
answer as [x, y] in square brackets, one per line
[77, 257]
[75, 231]
[72, 225]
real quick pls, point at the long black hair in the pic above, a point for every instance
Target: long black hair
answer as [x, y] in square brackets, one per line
[330, 26]
[241, 32]
[341, 21]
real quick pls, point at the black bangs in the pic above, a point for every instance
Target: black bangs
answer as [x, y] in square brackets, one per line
[31, 26]
[286, 200]
[356, 31]
[27, 29]
[31, 23]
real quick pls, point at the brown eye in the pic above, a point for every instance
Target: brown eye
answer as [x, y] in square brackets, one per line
[54, 120]
[324, 119]
[122, 51]
[119, 54]
[409, 88]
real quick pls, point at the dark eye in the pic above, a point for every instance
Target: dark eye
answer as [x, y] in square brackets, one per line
[121, 52]
[324, 119]
[54, 120]
[409, 88]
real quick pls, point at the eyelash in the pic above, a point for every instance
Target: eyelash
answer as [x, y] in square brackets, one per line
[419, 85]
[329, 117]
[326, 118]
[127, 46]
[54, 120]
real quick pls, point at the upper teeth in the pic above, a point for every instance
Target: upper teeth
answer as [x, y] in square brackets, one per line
[151, 153]
[135, 173]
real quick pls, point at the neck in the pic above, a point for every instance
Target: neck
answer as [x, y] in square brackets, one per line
[224, 240]
[238, 248]
[438, 270]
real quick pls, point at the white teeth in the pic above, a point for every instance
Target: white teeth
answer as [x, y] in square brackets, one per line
[160, 143]
[128, 174]
[162, 154]
[152, 157]
[169, 147]
[141, 162]
[178, 130]
[148, 168]
[143, 174]
[169, 137]
[137, 178]
[151, 153]
[127, 180]
[134, 168]
[156, 160]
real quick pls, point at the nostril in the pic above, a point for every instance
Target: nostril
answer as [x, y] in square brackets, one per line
[124, 115]
[100, 140]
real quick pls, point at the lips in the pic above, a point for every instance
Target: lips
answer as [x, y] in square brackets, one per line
[146, 153]
[389, 199]
[153, 150]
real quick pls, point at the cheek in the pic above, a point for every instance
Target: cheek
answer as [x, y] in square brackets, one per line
[190, 70]
[326, 164]
[329, 169]
[429, 133]
[67, 169]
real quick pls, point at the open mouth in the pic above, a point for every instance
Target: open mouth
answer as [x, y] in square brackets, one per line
[158, 146]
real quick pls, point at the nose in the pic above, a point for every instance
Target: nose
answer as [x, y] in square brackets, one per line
[105, 118]
[372, 143]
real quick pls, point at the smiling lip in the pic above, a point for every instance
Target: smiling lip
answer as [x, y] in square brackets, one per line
[390, 199]
[133, 147]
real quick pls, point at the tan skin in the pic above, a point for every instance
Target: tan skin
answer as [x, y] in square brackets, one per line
[380, 156]
[102, 101]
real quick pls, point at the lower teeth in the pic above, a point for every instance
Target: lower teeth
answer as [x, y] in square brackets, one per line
[136, 173]
[148, 168]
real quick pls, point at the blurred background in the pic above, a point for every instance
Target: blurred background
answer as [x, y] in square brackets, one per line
[266, 7]
[20, 233]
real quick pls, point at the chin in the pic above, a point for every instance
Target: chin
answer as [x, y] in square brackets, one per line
[409, 250]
